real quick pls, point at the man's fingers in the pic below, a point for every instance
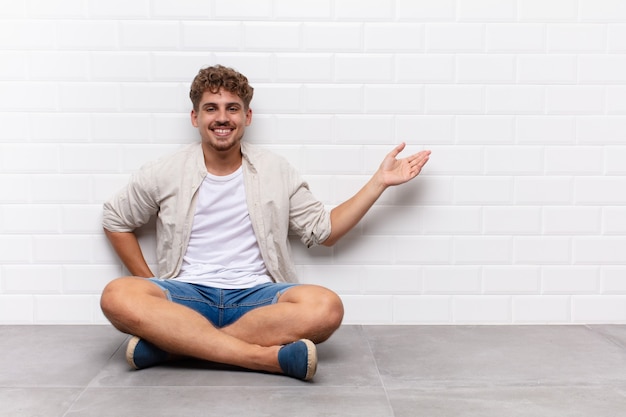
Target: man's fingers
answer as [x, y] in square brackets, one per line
[397, 150]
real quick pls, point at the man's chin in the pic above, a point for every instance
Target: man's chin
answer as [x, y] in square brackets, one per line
[222, 145]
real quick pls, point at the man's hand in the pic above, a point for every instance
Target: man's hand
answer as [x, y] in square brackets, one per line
[395, 171]
[392, 171]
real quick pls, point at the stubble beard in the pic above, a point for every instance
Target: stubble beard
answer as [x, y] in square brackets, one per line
[222, 145]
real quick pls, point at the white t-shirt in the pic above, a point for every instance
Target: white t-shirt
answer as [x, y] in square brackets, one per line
[223, 251]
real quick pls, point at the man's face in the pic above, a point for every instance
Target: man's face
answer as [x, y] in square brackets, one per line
[221, 120]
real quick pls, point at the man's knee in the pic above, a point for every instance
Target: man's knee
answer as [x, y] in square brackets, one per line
[328, 313]
[113, 300]
[120, 300]
[332, 309]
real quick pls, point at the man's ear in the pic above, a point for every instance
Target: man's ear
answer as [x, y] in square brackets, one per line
[248, 116]
[194, 118]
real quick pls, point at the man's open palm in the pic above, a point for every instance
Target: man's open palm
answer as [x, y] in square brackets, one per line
[398, 171]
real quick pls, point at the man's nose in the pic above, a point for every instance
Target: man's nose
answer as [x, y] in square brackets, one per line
[222, 116]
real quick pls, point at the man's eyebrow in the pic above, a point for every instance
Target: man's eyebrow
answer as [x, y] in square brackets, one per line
[211, 104]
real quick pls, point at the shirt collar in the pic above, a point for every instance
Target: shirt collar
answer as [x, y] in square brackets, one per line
[248, 153]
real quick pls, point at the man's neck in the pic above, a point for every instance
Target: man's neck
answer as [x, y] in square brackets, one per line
[222, 162]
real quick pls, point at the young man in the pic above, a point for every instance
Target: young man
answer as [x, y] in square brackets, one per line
[226, 288]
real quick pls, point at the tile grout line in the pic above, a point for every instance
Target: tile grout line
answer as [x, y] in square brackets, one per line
[78, 397]
[605, 336]
[380, 379]
[91, 381]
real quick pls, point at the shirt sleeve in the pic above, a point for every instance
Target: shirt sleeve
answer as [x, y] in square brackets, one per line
[308, 217]
[133, 205]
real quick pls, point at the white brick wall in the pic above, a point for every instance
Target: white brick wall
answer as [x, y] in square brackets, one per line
[519, 217]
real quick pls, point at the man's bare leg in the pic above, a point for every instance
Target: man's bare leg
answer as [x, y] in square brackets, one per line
[139, 307]
[304, 311]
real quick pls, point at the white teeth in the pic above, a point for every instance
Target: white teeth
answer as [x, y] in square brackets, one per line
[222, 131]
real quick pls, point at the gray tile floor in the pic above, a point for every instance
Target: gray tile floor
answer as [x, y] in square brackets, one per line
[503, 371]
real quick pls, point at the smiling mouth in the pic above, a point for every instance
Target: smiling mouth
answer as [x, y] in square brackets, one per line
[222, 131]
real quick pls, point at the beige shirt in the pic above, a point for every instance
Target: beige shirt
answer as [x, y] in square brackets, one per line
[279, 201]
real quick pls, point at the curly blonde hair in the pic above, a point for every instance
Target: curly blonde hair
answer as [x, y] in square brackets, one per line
[217, 77]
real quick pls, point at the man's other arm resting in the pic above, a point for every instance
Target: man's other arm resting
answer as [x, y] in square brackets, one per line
[127, 248]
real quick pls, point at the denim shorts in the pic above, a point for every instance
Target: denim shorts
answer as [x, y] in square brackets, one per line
[221, 306]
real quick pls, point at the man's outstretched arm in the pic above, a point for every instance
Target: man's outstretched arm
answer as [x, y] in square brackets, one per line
[392, 171]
